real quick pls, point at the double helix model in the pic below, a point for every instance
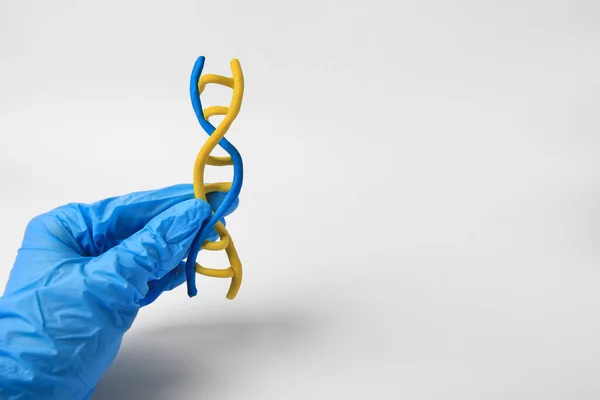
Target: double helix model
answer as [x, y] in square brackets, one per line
[216, 137]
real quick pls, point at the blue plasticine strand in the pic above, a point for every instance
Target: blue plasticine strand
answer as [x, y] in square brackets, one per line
[232, 195]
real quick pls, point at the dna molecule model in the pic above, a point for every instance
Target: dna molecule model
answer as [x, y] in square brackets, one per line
[216, 136]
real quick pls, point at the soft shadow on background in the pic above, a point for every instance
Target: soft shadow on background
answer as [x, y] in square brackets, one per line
[157, 362]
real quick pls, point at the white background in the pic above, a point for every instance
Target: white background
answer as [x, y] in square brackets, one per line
[420, 214]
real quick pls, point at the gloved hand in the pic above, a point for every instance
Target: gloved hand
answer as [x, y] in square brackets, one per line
[79, 280]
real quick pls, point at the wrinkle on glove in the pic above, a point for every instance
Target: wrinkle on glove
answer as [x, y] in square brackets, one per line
[79, 280]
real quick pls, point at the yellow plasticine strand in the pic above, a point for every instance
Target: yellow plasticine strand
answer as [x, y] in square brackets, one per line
[216, 246]
[236, 266]
[215, 110]
[218, 79]
[204, 158]
[217, 187]
[219, 161]
[215, 273]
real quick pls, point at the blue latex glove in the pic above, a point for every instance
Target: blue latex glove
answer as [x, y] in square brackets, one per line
[79, 280]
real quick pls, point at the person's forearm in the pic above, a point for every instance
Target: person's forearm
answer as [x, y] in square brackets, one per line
[26, 354]
[32, 366]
